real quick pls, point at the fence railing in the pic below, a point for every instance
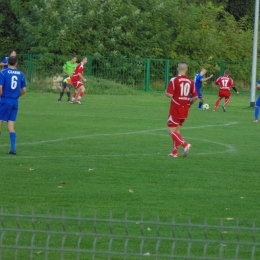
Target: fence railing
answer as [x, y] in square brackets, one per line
[141, 73]
[49, 237]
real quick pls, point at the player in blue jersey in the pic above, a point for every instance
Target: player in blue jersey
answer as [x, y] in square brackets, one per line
[257, 104]
[5, 60]
[12, 86]
[199, 78]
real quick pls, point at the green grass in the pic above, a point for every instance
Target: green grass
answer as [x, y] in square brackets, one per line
[113, 144]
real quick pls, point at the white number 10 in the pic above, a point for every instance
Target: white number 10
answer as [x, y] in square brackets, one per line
[14, 82]
[185, 89]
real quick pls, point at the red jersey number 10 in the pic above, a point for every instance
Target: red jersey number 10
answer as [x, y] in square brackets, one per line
[185, 89]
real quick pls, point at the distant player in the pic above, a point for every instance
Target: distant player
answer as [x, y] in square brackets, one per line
[225, 83]
[76, 80]
[12, 86]
[68, 69]
[198, 80]
[257, 104]
[179, 90]
[5, 60]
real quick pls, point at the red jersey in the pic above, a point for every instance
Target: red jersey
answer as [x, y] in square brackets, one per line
[78, 70]
[181, 87]
[224, 82]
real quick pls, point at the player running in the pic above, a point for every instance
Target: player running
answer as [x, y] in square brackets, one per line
[198, 80]
[225, 83]
[76, 80]
[179, 90]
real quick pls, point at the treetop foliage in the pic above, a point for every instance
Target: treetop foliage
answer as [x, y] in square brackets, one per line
[182, 29]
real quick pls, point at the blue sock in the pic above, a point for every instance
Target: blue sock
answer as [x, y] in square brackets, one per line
[200, 104]
[12, 136]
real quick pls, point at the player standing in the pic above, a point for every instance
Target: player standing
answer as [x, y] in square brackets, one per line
[225, 83]
[12, 86]
[76, 80]
[179, 90]
[257, 104]
[198, 80]
[68, 69]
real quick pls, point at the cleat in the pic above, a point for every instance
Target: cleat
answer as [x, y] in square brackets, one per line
[12, 152]
[224, 108]
[214, 110]
[71, 102]
[173, 155]
[59, 99]
[256, 121]
[68, 99]
[79, 103]
[186, 150]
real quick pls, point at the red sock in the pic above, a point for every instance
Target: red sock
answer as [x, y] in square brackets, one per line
[178, 139]
[80, 95]
[226, 101]
[75, 95]
[216, 104]
[175, 148]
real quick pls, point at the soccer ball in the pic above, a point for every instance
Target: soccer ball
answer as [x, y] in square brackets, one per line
[206, 106]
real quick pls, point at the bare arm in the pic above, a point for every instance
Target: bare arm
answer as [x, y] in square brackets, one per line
[168, 95]
[193, 100]
[1, 90]
[66, 72]
[23, 91]
[205, 79]
[3, 64]
[81, 76]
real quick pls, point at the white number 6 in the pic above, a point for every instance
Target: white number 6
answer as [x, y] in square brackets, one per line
[14, 82]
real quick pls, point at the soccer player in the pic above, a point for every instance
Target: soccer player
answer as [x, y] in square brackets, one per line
[199, 78]
[68, 69]
[225, 83]
[12, 86]
[5, 60]
[76, 80]
[179, 90]
[257, 104]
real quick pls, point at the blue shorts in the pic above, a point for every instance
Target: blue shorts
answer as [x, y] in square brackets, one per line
[199, 93]
[257, 104]
[8, 109]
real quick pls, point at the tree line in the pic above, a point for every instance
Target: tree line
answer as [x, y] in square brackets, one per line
[174, 29]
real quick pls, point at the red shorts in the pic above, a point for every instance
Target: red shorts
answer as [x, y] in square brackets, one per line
[174, 122]
[77, 84]
[224, 94]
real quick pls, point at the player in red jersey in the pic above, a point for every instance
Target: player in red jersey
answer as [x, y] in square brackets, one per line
[76, 80]
[225, 83]
[179, 90]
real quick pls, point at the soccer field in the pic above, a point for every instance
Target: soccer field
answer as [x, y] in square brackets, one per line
[113, 144]
[110, 156]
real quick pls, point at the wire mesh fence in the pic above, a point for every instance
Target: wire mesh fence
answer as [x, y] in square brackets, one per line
[32, 236]
[145, 74]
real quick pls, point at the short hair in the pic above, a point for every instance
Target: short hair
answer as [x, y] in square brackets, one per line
[182, 65]
[227, 72]
[73, 56]
[84, 57]
[12, 60]
[11, 52]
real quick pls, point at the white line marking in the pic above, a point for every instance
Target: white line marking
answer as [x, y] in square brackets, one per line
[115, 134]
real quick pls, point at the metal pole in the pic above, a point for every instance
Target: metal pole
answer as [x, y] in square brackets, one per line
[254, 58]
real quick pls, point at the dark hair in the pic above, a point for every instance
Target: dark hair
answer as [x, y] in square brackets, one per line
[12, 60]
[227, 72]
[84, 57]
[73, 56]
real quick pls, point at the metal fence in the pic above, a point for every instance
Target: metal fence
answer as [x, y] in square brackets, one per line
[140, 73]
[49, 237]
